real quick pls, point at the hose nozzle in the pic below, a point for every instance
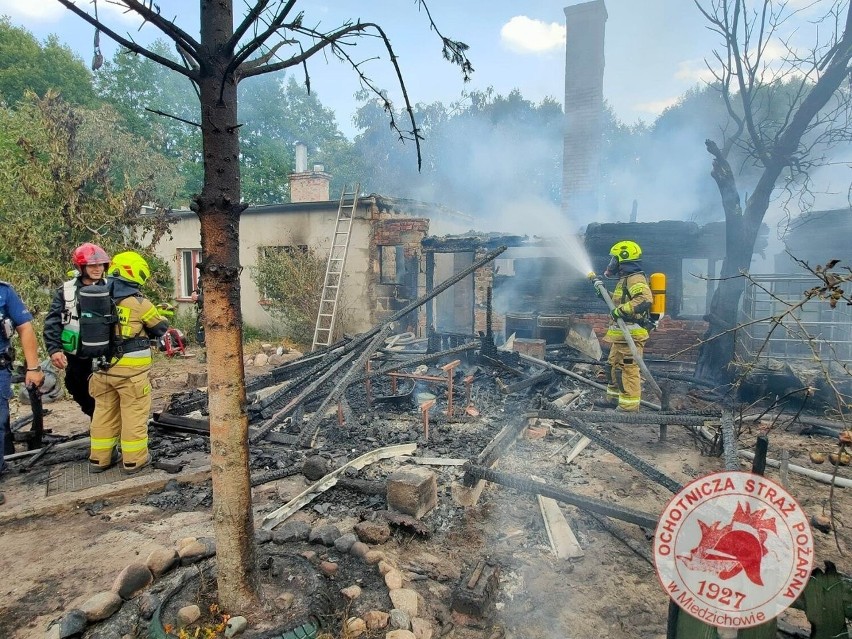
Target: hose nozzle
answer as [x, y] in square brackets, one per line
[592, 276]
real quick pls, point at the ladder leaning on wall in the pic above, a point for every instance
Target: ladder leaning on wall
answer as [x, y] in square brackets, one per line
[327, 313]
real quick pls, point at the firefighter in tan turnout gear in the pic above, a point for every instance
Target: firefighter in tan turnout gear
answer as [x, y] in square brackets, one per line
[121, 388]
[632, 299]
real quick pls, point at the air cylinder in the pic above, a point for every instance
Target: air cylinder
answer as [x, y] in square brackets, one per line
[658, 288]
[96, 320]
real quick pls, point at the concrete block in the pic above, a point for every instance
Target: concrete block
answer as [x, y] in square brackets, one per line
[412, 490]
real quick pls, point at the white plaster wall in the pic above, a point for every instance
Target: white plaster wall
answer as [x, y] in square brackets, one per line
[314, 229]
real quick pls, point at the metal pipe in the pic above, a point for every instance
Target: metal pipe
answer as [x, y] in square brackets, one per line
[604, 294]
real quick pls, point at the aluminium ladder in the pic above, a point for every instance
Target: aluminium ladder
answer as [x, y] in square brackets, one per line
[326, 315]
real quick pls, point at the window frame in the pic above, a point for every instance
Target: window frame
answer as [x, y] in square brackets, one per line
[186, 285]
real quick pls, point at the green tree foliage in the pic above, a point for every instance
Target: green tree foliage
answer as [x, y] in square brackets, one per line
[136, 87]
[27, 65]
[276, 113]
[70, 176]
[291, 281]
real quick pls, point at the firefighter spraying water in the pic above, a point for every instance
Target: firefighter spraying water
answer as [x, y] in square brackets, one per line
[639, 308]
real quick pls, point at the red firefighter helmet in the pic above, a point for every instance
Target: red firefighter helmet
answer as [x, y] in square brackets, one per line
[89, 253]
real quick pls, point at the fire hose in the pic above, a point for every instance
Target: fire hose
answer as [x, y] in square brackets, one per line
[604, 294]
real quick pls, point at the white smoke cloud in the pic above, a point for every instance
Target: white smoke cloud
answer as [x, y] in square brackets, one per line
[655, 107]
[693, 71]
[525, 35]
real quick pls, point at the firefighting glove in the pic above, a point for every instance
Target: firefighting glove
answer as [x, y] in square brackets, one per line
[598, 292]
[616, 313]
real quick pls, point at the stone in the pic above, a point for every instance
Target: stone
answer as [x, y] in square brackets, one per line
[354, 627]
[400, 634]
[132, 580]
[326, 535]
[161, 560]
[261, 359]
[72, 623]
[351, 592]
[328, 568]
[399, 619]
[359, 549]
[148, 603]
[188, 615]
[262, 536]
[291, 531]
[101, 606]
[52, 631]
[185, 541]
[344, 542]
[371, 532]
[373, 557]
[196, 380]
[235, 626]
[196, 551]
[285, 600]
[385, 567]
[310, 555]
[315, 467]
[421, 628]
[376, 619]
[412, 490]
[393, 579]
[404, 599]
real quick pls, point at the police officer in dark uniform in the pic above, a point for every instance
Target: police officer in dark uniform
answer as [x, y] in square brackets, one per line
[15, 318]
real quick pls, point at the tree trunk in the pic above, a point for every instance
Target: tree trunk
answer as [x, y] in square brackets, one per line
[218, 209]
[717, 352]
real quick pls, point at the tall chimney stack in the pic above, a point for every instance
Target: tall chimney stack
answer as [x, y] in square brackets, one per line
[585, 26]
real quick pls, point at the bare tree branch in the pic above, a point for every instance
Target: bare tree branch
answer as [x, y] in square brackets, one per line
[130, 44]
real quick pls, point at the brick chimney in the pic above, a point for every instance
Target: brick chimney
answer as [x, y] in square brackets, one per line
[308, 186]
[585, 26]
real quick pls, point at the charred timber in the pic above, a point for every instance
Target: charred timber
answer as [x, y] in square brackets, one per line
[623, 513]
[361, 339]
[495, 448]
[309, 430]
[623, 454]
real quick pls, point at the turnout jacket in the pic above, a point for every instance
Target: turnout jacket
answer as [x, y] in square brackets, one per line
[632, 297]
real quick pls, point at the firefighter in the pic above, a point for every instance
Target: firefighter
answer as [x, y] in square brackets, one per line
[632, 299]
[122, 389]
[62, 324]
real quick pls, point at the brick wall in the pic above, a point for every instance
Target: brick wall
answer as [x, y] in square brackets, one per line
[388, 298]
[311, 186]
[672, 336]
[482, 279]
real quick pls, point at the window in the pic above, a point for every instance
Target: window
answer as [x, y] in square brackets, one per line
[189, 258]
[392, 264]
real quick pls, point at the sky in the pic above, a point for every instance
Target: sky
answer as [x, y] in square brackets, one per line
[654, 48]
[655, 52]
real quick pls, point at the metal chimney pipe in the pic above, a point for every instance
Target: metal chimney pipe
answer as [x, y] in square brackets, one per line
[301, 157]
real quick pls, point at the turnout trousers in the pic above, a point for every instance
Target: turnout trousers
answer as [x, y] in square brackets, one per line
[122, 404]
[625, 381]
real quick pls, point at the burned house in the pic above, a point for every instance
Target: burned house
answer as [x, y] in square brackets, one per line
[539, 290]
[382, 263]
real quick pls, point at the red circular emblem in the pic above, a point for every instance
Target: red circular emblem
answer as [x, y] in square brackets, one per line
[733, 549]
